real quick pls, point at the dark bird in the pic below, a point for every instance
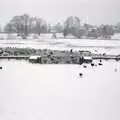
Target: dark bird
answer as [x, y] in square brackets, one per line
[80, 74]
[92, 64]
[71, 50]
[84, 66]
[100, 64]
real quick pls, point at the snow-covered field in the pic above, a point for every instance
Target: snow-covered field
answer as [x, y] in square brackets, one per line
[57, 92]
[95, 46]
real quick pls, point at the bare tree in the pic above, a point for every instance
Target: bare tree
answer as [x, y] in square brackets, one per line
[58, 27]
[72, 26]
[106, 31]
[19, 25]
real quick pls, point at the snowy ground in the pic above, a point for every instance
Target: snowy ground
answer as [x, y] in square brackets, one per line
[57, 92]
[95, 46]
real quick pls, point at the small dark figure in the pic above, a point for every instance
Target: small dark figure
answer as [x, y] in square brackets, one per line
[71, 51]
[84, 66]
[100, 64]
[100, 60]
[104, 54]
[92, 64]
[51, 53]
[48, 55]
[81, 60]
[1, 67]
[80, 74]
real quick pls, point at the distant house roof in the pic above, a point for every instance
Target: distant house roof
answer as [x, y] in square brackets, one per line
[34, 57]
[92, 29]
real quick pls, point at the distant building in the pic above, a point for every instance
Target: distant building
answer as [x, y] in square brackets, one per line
[85, 53]
[59, 35]
[92, 33]
[70, 36]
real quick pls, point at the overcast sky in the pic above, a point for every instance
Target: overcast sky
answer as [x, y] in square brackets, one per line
[94, 11]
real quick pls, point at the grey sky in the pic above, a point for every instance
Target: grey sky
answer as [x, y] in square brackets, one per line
[96, 11]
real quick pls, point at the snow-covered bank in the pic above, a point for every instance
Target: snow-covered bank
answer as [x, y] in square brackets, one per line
[94, 46]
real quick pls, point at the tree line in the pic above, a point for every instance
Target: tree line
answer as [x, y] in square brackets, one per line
[24, 25]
